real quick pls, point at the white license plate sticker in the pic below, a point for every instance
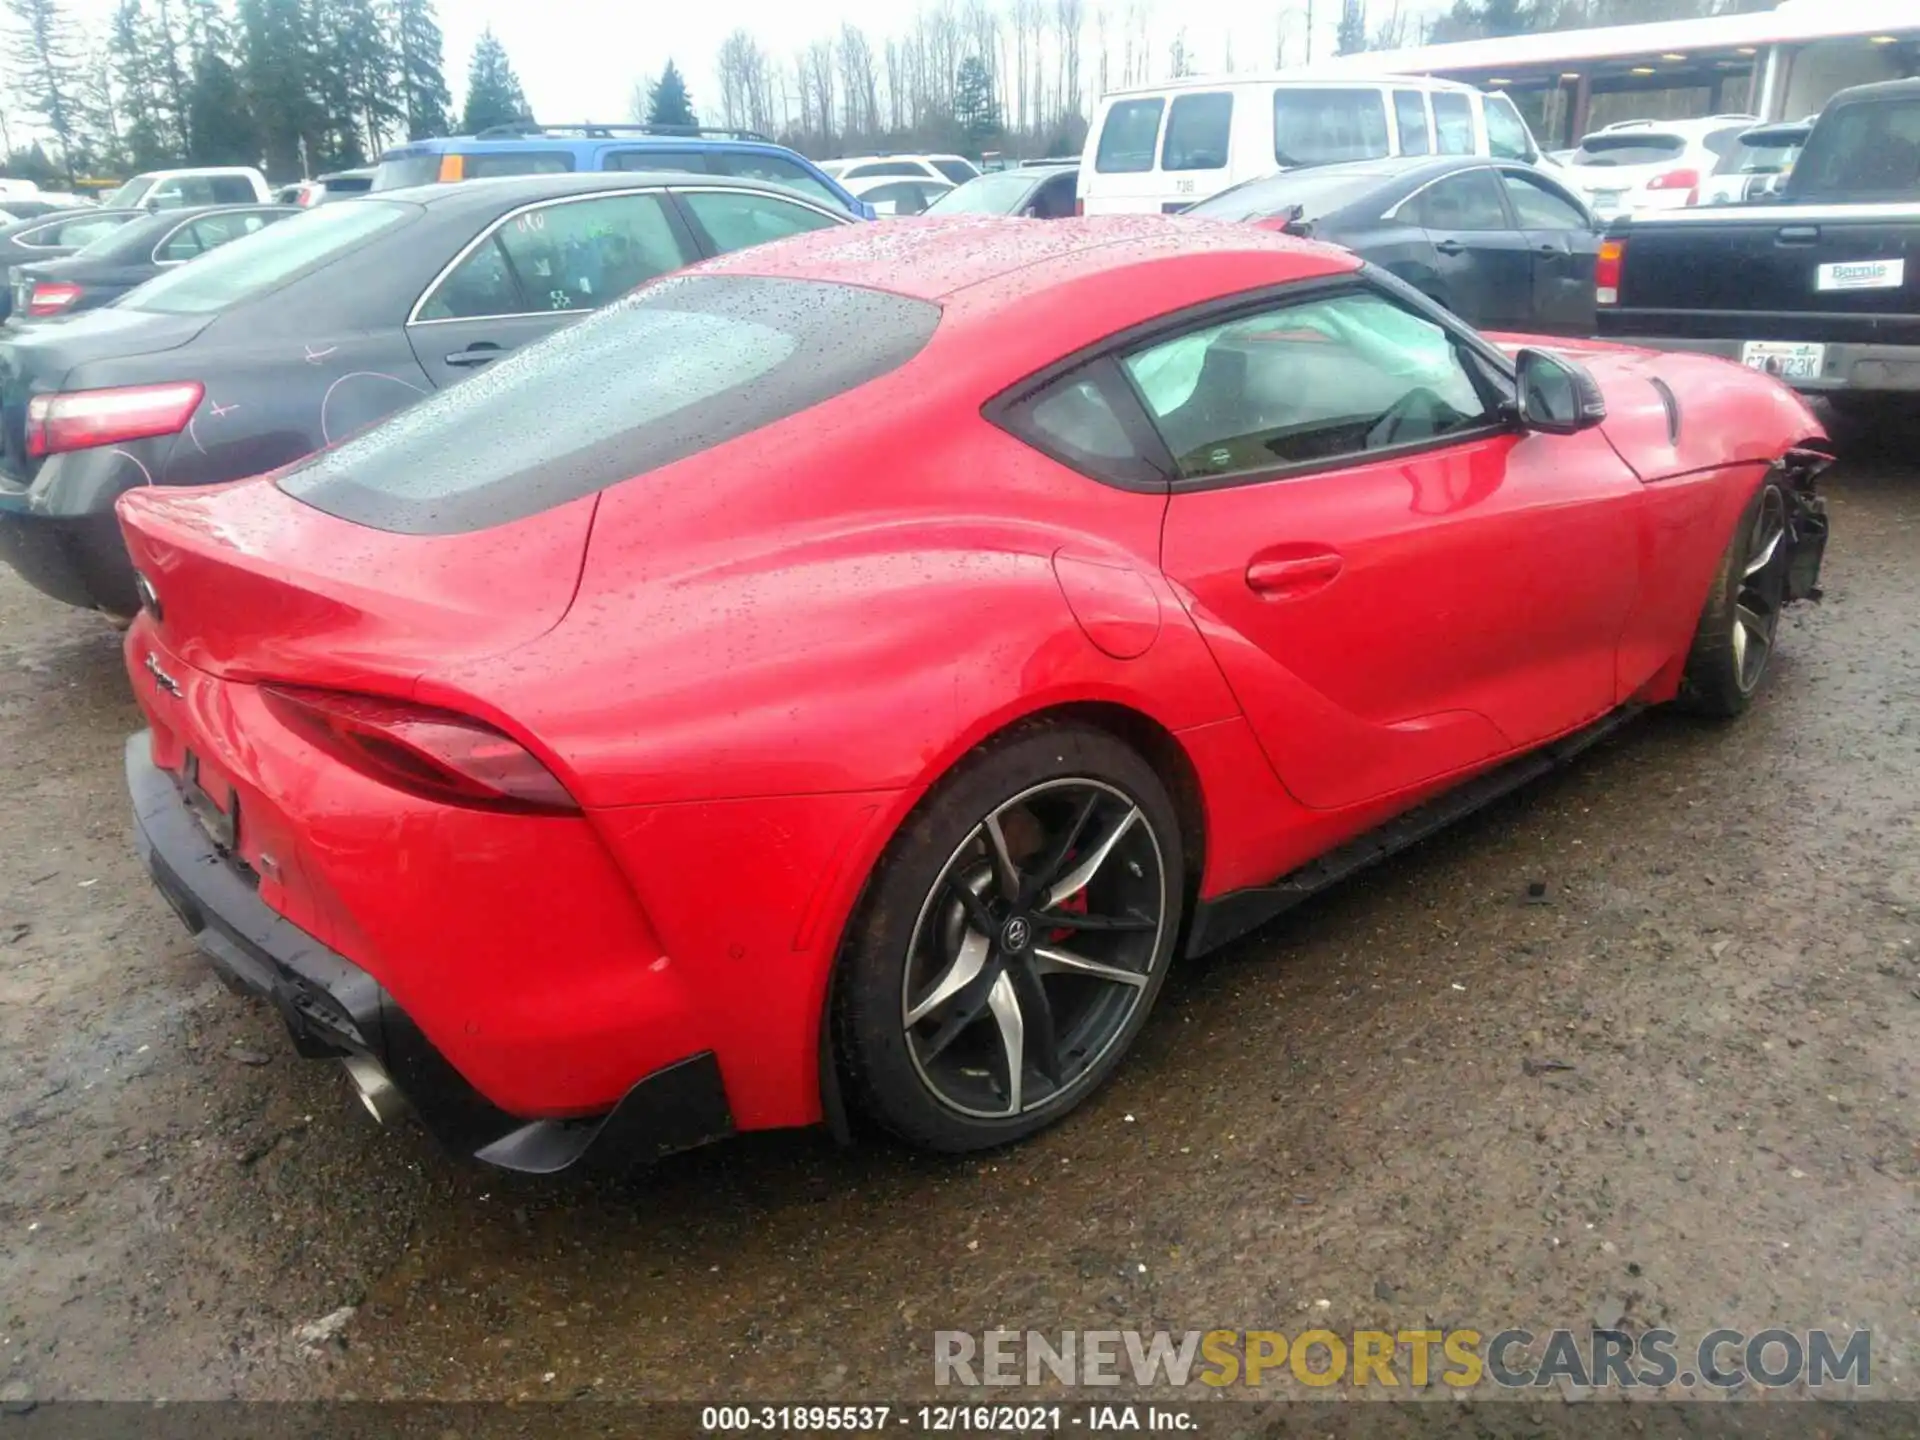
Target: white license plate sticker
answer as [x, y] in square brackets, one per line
[1790, 360]
[1861, 275]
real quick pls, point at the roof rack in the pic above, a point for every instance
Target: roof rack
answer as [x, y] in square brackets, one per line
[605, 130]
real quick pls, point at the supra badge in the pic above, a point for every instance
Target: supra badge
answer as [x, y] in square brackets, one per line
[161, 679]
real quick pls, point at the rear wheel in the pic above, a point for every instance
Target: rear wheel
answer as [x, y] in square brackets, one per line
[1013, 941]
[1741, 620]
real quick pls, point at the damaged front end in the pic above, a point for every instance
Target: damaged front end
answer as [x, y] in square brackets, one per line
[1801, 467]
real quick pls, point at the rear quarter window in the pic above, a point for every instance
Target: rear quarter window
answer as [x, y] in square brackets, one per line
[1197, 131]
[679, 367]
[1128, 137]
[511, 162]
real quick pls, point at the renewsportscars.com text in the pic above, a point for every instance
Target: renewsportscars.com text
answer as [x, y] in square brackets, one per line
[1387, 1359]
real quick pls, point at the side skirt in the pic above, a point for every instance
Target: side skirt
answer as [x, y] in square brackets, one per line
[1227, 918]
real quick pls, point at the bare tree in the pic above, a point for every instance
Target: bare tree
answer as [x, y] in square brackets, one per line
[859, 82]
[817, 66]
[1069, 24]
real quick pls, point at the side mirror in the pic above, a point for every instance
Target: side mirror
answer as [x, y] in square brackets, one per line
[1556, 396]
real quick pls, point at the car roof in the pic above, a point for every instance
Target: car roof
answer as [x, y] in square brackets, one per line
[536, 140]
[933, 259]
[496, 190]
[247, 170]
[1291, 79]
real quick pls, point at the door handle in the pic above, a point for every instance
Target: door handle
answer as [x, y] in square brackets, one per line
[1290, 576]
[1449, 247]
[478, 353]
[1552, 252]
[1798, 234]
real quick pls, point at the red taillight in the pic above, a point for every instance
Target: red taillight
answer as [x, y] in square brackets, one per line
[82, 419]
[50, 297]
[1079, 206]
[1676, 180]
[433, 753]
[1606, 272]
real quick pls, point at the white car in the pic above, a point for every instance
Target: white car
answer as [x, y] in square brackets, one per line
[179, 189]
[954, 169]
[1757, 165]
[1652, 164]
[897, 195]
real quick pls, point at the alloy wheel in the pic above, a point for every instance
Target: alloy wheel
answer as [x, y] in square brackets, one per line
[1763, 588]
[1034, 947]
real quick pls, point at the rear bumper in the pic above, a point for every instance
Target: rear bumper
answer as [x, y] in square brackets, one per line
[77, 559]
[1848, 366]
[335, 1010]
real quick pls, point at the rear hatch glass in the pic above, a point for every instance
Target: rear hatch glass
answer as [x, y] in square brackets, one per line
[1639, 148]
[679, 367]
[398, 172]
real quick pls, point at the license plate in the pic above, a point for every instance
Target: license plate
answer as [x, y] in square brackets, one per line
[220, 821]
[1599, 200]
[1790, 360]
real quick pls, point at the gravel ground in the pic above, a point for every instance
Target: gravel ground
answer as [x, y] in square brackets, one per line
[1675, 1089]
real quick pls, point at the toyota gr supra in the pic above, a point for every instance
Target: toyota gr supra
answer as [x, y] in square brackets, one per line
[842, 679]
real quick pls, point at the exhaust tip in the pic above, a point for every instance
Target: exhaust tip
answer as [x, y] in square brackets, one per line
[375, 1088]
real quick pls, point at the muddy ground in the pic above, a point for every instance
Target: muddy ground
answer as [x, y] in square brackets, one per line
[1347, 1118]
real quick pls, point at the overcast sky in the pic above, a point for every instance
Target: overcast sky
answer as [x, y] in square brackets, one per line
[578, 59]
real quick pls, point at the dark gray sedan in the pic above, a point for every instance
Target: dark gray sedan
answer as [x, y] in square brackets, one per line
[117, 261]
[1503, 245]
[48, 237]
[284, 341]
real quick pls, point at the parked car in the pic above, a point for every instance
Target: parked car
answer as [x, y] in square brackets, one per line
[29, 241]
[1040, 192]
[531, 149]
[954, 169]
[1163, 147]
[183, 189]
[1022, 607]
[321, 188]
[1819, 286]
[16, 207]
[1639, 165]
[315, 328]
[132, 254]
[1757, 164]
[887, 196]
[1500, 245]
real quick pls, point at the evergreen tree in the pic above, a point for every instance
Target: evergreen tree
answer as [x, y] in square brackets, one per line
[146, 132]
[1353, 27]
[218, 117]
[276, 59]
[494, 96]
[423, 85]
[668, 102]
[171, 75]
[45, 79]
[973, 103]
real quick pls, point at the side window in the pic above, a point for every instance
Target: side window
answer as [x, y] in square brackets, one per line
[1056, 197]
[530, 162]
[1410, 114]
[1306, 383]
[753, 165]
[1197, 131]
[230, 189]
[1507, 137]
[1076, 419]
[74, 232]
[690, 160]
[1453, 119]
[1467, 201]
[166, 196]
[574, 255]
[901, 197]
[735, 219]
[1127, 138]
[1540, 208]
[1315, 126]
[183, 243]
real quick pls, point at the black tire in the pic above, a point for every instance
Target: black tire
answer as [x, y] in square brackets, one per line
[1724, 667]
[904, 936]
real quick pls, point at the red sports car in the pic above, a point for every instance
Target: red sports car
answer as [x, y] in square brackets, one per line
[844, 678]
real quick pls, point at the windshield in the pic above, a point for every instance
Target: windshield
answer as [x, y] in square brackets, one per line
[1321, 127]
[678, 367]
[406, 170]
[999, 194]
[1316, 192]
[127, 195]
[266, 259]
[1634, 148]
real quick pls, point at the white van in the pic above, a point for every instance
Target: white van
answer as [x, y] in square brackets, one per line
[1163, 147]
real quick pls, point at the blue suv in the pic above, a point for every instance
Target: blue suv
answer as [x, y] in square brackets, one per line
[532, 149]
